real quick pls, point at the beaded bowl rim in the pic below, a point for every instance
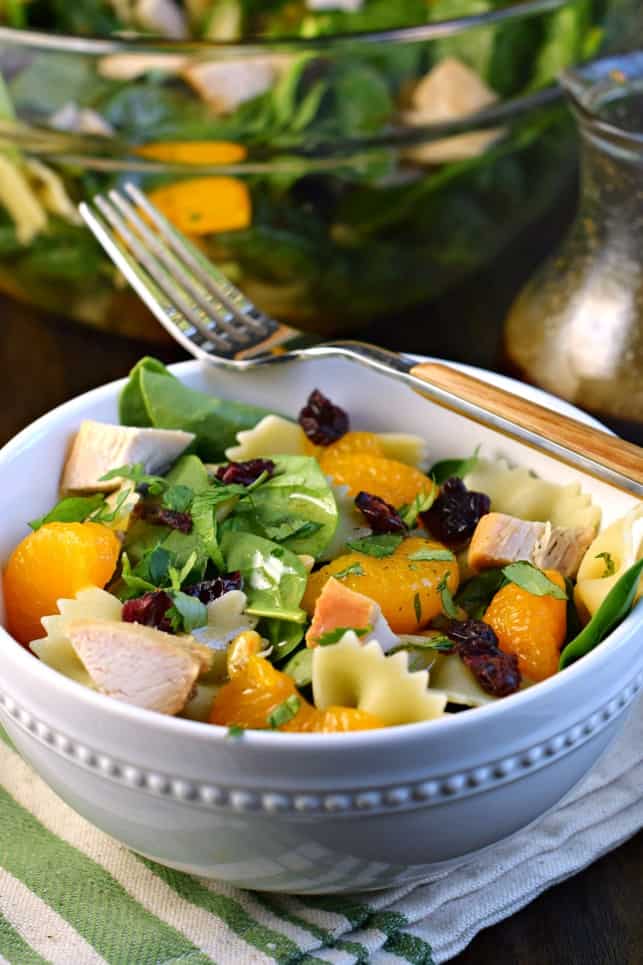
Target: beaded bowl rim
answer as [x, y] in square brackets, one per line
[373, 799]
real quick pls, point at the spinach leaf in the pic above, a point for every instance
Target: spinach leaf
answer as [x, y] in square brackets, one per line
[300, 667]
[274, 579]
[284, 637]
[295, 507]
[477, 593]
[447, 468]
[168, 404]
[610, 613]
[132, 409]
[74, 509]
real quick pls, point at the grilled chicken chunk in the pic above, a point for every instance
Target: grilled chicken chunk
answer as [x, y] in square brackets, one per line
[338, 607]
[500, 539]
[139, 665]
[98, 448]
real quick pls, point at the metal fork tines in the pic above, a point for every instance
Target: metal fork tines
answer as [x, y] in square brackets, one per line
[180, 286]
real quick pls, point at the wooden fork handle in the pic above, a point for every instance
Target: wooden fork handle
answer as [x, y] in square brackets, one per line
[584, 441]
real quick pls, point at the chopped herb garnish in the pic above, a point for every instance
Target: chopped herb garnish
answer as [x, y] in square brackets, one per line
[236, 731]
[178, 498]
[432, 556]
[74, 509]
[417, 606]
[439, 643]
[284, 712]
[107, 514]
[448, 468]
[158, 564]
[154, 485]
[378, 546]
[334, 636]
[477, 593]
[132, 580]
[178, 577]
[610, 566]
[448, 606]
[188, 612]
[355, 569]
[421, 504]
[528, 577]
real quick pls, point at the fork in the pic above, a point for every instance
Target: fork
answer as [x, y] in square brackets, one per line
[214, 321]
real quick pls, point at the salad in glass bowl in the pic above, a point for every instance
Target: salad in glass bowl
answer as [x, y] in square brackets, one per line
[341, 163]
[217, 561]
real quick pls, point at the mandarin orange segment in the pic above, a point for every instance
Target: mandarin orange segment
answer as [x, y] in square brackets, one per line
[250, 697]
[258, 689]
[533, 627]
[55, 561]
[393, 481]
[405, 589]
[351, 442]
[340, 720]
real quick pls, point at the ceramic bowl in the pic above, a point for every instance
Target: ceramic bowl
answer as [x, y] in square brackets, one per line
[310, 813]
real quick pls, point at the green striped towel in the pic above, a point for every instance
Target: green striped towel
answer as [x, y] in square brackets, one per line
[71, 894]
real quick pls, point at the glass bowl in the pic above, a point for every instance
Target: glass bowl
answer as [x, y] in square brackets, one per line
[334, 178]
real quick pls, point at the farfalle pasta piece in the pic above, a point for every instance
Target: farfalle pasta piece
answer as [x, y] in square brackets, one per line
[347, 674]
[55, 648]
[275, 436]
[272, 436]
[613, 552]
[517, 492]
[451, 676]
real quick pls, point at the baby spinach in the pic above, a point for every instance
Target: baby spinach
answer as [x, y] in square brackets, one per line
[154, 397]
[73, 509]
[610, 613]
[274, 579]
[283, 636]
[295, 507]
[300, 667]
[477, 593]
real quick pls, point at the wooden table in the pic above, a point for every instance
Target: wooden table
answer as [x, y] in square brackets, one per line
[593, 919]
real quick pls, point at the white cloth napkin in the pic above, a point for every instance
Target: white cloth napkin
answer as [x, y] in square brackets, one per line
[598, 815]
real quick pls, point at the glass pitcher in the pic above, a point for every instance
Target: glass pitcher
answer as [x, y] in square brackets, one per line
[577, 327]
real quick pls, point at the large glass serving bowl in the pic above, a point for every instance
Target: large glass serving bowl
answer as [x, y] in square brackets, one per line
[335, 178]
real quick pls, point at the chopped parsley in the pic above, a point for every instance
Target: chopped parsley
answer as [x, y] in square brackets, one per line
[417, 606]
[448, 606]
[528, 577]
[355, 569]
[178, 498]
[235, 731]
[439, 643]
[154, 485]
[610, 566]
[284, 712]
[334, 636]
[432, 556]
[421, 504]
[378, 546]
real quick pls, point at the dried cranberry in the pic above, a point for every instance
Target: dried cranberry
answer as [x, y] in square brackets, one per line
[497, 672]
[322, 421]
[150, 610]
[380, 515]
[472, 636]
[168, 517]
[209, 590]
[455, 514]
[245, 473]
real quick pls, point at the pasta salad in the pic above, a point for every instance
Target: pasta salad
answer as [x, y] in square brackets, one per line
[220, 562]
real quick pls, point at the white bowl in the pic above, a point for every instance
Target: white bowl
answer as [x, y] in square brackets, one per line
[309, 813]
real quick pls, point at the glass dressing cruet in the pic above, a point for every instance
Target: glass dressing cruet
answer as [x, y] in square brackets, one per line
[576, 329]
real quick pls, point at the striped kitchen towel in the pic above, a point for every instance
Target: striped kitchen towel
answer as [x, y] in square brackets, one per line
[71, 894]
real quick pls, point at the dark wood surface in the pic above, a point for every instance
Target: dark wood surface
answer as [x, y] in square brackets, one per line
[592, 919]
